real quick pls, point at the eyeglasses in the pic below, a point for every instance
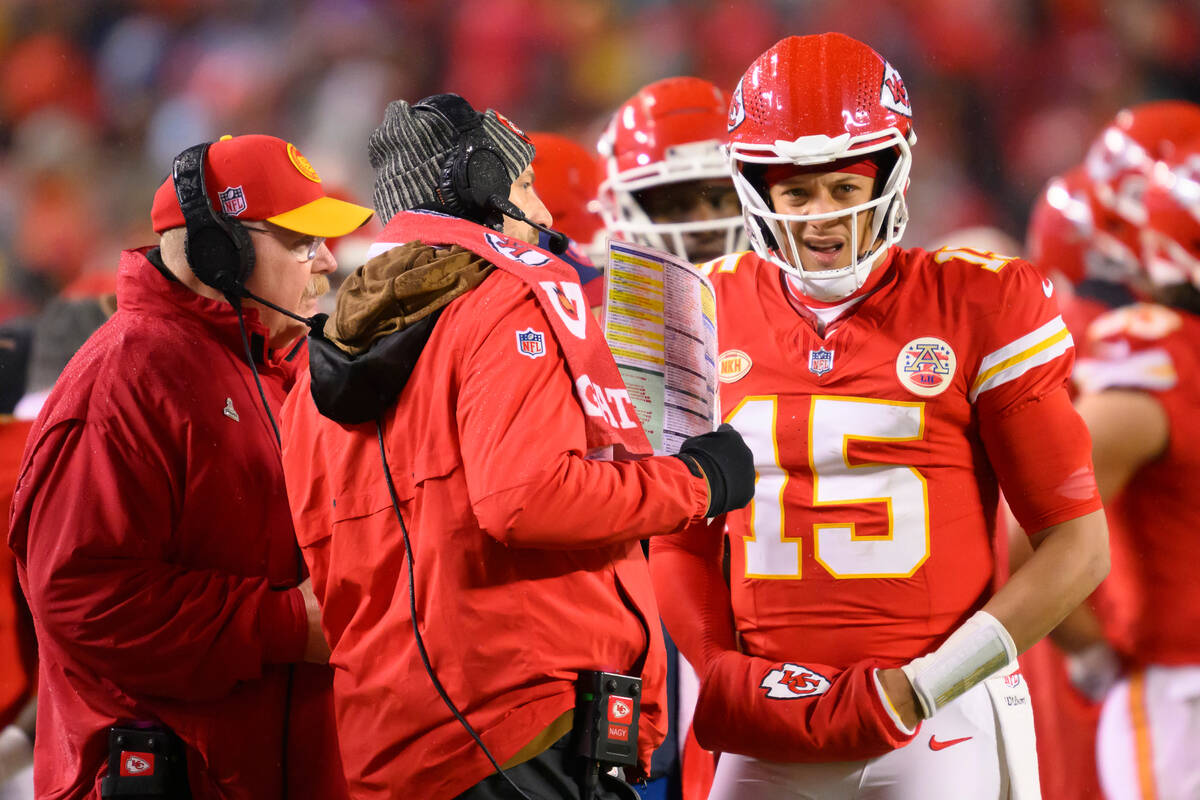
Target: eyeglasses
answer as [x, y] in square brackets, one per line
[304, 250]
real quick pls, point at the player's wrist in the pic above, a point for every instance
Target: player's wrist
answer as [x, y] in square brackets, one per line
[898, 698]
[978, 649]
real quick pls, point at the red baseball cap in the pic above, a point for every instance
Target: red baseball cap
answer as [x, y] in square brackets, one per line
[259, 177]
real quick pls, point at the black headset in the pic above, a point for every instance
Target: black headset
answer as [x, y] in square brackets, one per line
[474, 172]
[218, 248]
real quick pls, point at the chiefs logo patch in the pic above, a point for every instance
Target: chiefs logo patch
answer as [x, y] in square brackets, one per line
[792, 681]
[136, 763]
[732, 365]
[892, 94]
[926, 366]
[567, 301]
[737, 109]
[301, 164]
[516, 251]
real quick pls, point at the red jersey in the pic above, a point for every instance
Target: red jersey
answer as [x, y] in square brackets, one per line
[1153, 348]
[870, 534]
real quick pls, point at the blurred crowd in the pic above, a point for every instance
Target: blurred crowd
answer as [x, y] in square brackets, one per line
[96, 97]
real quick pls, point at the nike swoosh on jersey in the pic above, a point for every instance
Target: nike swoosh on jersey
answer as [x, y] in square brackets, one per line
[934, 744]
[1047, 286]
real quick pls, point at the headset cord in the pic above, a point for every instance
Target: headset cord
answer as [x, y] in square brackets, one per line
[412, 607]
[262, 395]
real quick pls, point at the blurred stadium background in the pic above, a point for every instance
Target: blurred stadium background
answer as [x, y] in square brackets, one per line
[96, 97]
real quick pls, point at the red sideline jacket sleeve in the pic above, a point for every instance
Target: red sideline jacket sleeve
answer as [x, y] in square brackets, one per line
[165, 630]
[525, 488]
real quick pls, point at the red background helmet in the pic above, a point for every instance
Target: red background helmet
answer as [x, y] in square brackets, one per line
[1061, 226]
[1171, 237]
[1119, 160]
[565, 179]
[669, 132]
[814, 100]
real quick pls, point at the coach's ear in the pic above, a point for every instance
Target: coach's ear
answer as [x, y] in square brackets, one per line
[794, 712]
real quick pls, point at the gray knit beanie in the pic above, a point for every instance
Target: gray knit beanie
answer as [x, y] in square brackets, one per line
[410, 148]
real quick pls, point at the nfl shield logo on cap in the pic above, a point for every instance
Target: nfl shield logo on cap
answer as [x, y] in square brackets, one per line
[233, 200]
[820, 361]
[531, 343]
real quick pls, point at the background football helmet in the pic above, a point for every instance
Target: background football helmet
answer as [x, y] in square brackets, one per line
[813, 100]
[566, 180]
[670, 132]
[1171, 237]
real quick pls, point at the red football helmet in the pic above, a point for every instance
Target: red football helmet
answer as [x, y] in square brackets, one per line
[1061, 226]
[670, 132]
[1121, 157]
[1171, 237]
[815, 100]
[566, 181]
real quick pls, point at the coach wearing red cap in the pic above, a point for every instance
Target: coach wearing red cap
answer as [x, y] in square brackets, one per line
[150, 522]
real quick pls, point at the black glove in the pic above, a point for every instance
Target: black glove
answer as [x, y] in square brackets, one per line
[723, 458]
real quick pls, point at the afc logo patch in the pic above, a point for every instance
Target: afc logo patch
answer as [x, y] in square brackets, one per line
[737, 108]
[820, 361]
[792, 681]
[531, 343]
[926, 366]
[233, 200]
[892, 94]
[517, 251]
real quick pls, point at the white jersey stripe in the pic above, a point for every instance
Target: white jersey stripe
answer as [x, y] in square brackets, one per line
[1018, 346]
[1043, 353]
[1150, 369]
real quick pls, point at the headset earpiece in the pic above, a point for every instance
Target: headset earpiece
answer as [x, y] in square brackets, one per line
[474, 170]
[218, 248]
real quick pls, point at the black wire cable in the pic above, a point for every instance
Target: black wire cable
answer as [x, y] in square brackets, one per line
[412, 607]
[237, 305]
[236, 302]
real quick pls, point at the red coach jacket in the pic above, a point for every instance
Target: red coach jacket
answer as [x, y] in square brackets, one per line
[155, 547]
[527, 563]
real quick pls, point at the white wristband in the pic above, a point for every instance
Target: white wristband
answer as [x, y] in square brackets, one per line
[979, 649]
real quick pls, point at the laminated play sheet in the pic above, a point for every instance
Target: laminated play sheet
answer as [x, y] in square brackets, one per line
[660, 322]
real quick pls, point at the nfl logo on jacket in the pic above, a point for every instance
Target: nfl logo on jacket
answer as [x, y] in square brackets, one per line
[531, 343]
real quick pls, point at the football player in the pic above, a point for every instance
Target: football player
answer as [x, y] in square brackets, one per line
[888, 395]
[665, 182]
[1139, 378]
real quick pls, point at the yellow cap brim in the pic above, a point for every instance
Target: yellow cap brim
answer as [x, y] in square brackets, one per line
[325, 216]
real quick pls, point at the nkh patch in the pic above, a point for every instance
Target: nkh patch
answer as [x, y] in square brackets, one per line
[732, 365]
[820, 361]
[926, 366]
[793, 681]
[233, 200]
[531, 343]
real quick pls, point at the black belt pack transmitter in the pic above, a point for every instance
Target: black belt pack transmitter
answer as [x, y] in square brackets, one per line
[607, 710]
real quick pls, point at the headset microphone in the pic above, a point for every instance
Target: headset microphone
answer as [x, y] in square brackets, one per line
[311, 322]
[558, 241]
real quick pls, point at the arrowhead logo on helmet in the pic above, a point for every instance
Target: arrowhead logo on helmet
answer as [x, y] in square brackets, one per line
[892, 94]
[737, 109]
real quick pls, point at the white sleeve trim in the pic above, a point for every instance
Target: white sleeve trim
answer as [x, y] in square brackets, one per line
[1010, 362]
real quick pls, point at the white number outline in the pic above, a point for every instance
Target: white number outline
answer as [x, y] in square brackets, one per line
[824, 530]
[819, 528]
